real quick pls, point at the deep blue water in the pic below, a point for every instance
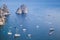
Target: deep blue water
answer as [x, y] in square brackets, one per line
[37, 15]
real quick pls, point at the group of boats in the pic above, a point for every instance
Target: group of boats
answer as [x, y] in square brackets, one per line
[51, 31]
[17, 34]
[4, 11]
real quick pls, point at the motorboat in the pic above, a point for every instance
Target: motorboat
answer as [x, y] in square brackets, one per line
[17, 35]
[51, 31]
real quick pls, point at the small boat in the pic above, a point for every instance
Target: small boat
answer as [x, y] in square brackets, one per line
[29, 36]
[24, 30]
[5, 10]
[51, 31]
[17, 35]
[22, 9]
[9, 33]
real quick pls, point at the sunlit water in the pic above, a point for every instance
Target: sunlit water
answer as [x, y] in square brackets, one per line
[37, 22]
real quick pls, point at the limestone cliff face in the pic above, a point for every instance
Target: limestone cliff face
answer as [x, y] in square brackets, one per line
[22, 9]
[2, 21]
[5, 9]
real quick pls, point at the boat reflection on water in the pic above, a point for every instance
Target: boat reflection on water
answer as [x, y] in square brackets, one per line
[22, 9]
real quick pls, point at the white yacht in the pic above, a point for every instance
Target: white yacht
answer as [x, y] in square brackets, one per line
[17, 35]
[9, 33]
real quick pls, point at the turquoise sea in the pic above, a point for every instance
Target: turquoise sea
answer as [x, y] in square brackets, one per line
[42, 14]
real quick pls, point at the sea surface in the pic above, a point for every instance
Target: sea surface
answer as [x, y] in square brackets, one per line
[42, 14]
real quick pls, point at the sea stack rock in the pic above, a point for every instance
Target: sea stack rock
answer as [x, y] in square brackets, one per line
[5, 9]
[22, 9]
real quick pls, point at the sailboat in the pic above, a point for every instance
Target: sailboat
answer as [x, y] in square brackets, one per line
[9, 33]
[17, 34]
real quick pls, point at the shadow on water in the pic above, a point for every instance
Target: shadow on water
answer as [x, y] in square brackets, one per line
[1, 26]
[22, 16]
[16, 38]
[1, 32]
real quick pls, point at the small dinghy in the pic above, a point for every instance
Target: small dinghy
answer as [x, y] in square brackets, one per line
[22, 9]
[17, 35]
